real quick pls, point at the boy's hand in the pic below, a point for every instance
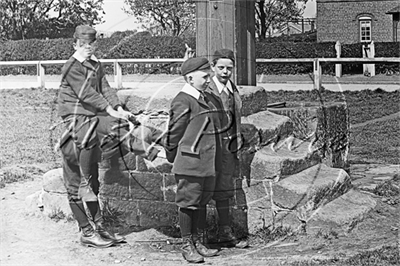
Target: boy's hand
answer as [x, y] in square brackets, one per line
[117, 114]
[125, 114]
[189, 53]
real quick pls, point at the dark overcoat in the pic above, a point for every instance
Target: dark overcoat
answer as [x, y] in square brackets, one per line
[190, 141]
[214, 96]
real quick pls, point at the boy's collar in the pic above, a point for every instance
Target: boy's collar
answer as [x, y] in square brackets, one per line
[221, 86]
[192, 91]
[80, 58]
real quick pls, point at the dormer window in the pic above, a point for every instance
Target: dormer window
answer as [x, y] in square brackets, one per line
[365, 29]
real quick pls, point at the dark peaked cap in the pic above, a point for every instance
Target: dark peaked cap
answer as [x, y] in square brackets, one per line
[194, 64]
[85, 32]
[224, 53]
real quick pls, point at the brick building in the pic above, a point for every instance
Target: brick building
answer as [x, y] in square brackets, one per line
[352, 21]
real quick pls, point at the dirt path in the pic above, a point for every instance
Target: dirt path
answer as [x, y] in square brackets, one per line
[30, 240]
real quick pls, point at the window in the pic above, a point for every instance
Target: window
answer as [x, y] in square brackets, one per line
[365, 29]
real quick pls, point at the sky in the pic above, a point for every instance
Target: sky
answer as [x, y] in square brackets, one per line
[117, 20]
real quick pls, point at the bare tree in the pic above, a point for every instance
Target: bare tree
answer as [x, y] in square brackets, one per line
[25, 19]
[271, 14]
[165, 17]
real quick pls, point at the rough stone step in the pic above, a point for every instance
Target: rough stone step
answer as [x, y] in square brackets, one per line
[342, 214]
[279, 161]
[329, 122]
[271, 126]
[304, 192]
[291, 201]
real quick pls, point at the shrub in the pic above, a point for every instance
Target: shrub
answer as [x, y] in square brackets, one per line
[145, 46]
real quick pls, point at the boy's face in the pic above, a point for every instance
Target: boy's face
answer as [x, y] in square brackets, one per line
[223, 69]
[199, 79]
[85, 48]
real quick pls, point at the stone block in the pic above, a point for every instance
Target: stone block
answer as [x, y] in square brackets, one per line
[141, 164]
[127, 162]
[330, 124]
[254, 99]
[169, 187]
[157, 214]
[251, 136]
[159, 165]
[53, 181]
[269, 163]
[306, 191]
[286, 219]
[126, 210]
[131, 185]
[258, 190]
[33, 203]
[259, 214]
[245, 164]
[55, 203]
[304, 118]
[271, 126]
[342, 214]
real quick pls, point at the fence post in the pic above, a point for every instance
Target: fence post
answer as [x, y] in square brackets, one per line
[369, 52]
[371, 67]
[117, 74]
[317, 74]
[338, 67]
[40, 75]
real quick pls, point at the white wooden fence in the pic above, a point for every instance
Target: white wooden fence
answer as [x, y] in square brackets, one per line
[317, 70]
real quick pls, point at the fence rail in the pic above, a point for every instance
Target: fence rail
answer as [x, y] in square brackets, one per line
[317, 69]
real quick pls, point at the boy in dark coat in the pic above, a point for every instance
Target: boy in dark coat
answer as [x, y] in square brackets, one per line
[190, 145]
[95, 123]
[225, 96]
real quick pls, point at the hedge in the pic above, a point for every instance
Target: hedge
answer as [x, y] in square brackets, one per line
[135, 46]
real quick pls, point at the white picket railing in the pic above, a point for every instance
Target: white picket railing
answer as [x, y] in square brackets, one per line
[317, 70]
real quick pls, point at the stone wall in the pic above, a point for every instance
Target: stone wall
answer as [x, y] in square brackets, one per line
[282, 146]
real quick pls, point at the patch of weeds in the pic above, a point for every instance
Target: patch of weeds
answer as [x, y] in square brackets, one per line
[387, 189]
[266, 235]
[9, 176]
[58, 215]
[387, 255]
[332, 234]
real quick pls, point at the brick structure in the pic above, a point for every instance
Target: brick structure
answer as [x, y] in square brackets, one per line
[342, 20]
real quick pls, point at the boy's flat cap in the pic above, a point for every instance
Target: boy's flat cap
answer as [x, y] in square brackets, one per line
[224, 53]
[85, 32]
[193, 64]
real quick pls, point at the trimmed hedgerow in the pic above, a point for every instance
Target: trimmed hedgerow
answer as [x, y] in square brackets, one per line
[143, 46]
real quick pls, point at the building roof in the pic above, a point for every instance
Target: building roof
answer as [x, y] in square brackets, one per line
[394, 10]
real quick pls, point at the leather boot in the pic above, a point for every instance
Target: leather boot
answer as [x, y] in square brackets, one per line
[189, 251]
[85, 191]
[107, 235]
[91, 238]
[200, 244]
[227, 239]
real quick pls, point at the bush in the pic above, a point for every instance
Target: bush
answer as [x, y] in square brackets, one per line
[145, 46]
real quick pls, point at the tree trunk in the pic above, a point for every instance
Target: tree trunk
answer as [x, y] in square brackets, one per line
[263, 26]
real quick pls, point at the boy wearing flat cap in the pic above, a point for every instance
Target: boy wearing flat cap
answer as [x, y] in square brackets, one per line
[95, 126]
[190, 144]
[225, 96]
